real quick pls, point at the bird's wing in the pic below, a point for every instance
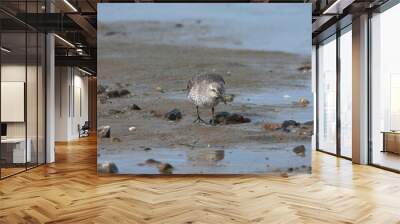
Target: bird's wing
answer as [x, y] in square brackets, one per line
[211, 78]
[189, 85]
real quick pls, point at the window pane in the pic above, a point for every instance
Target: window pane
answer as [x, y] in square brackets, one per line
[13, 86]
[41, 98]
[385, 89]
[31, 97]
[346, 93]
[327, 95]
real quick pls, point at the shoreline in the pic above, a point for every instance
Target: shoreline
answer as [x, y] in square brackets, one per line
[266, 85]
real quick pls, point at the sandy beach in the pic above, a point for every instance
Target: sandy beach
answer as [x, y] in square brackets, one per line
[154, 71]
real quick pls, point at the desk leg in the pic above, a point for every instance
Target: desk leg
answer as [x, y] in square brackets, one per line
[384, 143]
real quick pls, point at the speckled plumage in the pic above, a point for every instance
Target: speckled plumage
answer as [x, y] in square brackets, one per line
[206, 90]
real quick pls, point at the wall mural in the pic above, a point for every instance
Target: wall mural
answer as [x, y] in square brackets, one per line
[204, 88]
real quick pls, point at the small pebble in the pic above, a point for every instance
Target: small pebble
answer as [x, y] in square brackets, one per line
[115, 139]
[159, 89]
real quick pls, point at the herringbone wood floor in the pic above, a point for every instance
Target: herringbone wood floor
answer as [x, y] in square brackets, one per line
[70, 191]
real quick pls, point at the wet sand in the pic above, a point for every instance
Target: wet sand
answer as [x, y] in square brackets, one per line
[265, 85]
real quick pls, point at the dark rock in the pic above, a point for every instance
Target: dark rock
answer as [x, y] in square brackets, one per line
[173, 115]
[309, 123]
[304, 68]
[117, 93]
[300, 150]
[113, 94]
[147, 149]
[107, 167]
[134, 107]
[286, 125]
[101, 89]
[153, 162]
[237, 119]
[221, 115]
[179, 25]
[124, 92]
[114, 111]
[165, 168]
[115, 139]
[104, 131]
[228, 118]
[110, 33]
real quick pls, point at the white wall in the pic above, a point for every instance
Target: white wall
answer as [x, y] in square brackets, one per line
[62, 81]
[70, 83]
[10, 73]
[33, 126]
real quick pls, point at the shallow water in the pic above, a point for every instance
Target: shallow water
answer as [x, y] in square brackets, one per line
[235, 26]
[241, 159]
[283, 101]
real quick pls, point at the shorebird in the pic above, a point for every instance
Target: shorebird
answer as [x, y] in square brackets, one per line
[207, 91]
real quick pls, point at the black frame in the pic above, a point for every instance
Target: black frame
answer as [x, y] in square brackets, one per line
[31, 30]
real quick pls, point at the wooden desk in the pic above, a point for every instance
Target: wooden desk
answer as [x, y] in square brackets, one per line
[13, 150]
[391, 141]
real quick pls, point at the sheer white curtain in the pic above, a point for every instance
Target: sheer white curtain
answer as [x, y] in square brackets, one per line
[327, 95]
[346, 92]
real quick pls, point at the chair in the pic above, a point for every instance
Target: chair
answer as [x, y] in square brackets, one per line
[84, 130]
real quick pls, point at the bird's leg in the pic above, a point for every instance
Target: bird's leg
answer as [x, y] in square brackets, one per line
[212, 121]
[199, 120]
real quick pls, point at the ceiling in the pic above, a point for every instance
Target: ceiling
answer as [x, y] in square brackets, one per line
[75, 22]
[330, 15]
